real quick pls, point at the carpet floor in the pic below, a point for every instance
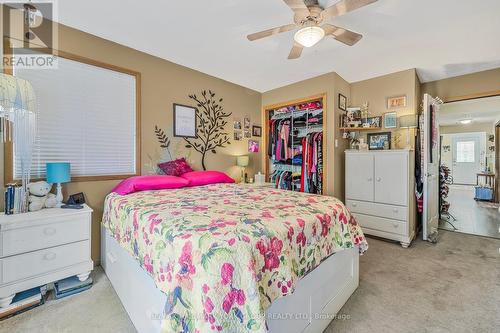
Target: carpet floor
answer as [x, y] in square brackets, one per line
[452, 286]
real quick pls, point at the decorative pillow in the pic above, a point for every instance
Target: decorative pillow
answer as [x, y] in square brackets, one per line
[146, 183]
[198, 178]
[175, 168]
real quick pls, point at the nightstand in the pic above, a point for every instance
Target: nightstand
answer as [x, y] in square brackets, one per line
[40, 247]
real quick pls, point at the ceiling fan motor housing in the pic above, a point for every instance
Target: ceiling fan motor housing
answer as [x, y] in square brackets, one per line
[314, 17]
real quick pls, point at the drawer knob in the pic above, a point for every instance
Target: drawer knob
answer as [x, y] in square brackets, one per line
[395, 225]
[49, 256]
[395, 210]
[379, 179]
[49, 231]
[370, 179]
[354, 204]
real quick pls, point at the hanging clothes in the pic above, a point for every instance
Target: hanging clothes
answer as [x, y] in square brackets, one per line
[295, 147]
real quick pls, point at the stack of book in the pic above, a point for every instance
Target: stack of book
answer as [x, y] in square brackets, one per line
[23, 301]
[15, 199]
[71, 286]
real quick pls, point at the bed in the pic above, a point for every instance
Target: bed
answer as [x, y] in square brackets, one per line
[230, 258]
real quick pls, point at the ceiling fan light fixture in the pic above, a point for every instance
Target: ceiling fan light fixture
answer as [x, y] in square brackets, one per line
[466, 121]
[309, 36]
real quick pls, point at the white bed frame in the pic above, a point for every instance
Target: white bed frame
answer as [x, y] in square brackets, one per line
[314, 304]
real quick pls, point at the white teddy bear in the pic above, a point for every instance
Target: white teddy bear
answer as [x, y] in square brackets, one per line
[40, 196]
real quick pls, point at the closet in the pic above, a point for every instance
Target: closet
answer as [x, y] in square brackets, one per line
[295, 144]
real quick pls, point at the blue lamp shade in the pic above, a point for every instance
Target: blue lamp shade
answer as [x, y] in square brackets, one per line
[58, 172]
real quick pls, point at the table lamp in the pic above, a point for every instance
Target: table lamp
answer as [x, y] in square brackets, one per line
[58, 173]
[242, 161]
[408, 121]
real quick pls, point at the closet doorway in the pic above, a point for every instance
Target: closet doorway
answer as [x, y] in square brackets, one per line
[295, 143]
[470, 166]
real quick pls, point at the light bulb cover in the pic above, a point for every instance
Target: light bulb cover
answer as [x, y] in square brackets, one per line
[309, 36]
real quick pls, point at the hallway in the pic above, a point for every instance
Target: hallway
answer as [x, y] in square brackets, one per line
[473, 217]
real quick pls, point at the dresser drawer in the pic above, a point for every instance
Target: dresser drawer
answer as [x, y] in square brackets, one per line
[43, 261]
[60, 230]
[380, 210]
[381, 224]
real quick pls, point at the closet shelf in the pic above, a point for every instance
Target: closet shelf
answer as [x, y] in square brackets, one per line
[287, 167]
[355, 129]
[295, 114]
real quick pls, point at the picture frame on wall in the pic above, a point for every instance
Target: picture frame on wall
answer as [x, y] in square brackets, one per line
[253, 146]
[396, 102]
[184, 121]
[390, 120]
[342, 102]
[257, 131]
[379, 141]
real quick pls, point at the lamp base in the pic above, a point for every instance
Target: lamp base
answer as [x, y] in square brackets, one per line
[59, 196]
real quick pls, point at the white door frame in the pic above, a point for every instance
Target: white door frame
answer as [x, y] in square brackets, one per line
[480, 154]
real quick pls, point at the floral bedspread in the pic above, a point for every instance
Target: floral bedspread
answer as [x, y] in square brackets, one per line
[222, 253]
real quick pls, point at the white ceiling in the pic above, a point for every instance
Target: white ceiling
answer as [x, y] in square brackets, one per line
[441, 38]
[481, 110]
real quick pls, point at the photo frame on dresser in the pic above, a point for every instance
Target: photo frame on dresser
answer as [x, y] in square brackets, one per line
[379, 141]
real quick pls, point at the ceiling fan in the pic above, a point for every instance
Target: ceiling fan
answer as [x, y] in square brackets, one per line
[309, 16]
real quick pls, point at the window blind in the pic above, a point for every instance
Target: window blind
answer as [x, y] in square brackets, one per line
[87, 116]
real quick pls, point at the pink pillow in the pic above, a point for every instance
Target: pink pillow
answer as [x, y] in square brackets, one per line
[175, 168]
[145, 183]
[198, 178]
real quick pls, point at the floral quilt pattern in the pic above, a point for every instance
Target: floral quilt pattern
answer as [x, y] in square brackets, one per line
[222, 253]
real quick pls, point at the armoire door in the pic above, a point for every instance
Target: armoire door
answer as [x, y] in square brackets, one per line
[391, 178]
[359, 180]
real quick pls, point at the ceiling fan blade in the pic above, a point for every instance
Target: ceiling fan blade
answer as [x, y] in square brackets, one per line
[296, 51]
[270, 32]
[298, 7]
[342, 35]
[345, 6]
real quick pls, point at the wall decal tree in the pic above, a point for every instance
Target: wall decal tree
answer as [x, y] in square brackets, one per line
[211, 123]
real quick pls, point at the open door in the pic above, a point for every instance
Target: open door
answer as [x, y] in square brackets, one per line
[431, 156]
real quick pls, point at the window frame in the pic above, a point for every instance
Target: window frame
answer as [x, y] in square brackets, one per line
[8, 146]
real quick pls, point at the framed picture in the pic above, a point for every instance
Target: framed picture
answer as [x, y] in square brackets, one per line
[342, 102]
[246, 122]
[253, 146]
[184, 121]
[396, 102]
[247, 134]
[257, 131]
[237, 124]
[379, 141]
[390, 120]
[238, 136]
[373, 122]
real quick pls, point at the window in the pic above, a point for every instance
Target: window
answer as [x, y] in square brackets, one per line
[465, 152]
[87, 116]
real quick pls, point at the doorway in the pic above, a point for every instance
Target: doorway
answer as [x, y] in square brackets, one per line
[468, 153]
[469, 166]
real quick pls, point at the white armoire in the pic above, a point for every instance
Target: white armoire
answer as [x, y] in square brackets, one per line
[379, 190]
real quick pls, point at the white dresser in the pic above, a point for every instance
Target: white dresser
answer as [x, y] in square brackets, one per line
[40, 247]
[380, 192]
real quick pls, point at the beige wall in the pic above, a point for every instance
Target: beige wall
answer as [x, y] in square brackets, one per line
[476, 83]
[376, 91]
[331, 84]
[163, 83]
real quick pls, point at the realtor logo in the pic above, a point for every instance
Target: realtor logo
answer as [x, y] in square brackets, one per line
[31, 34]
